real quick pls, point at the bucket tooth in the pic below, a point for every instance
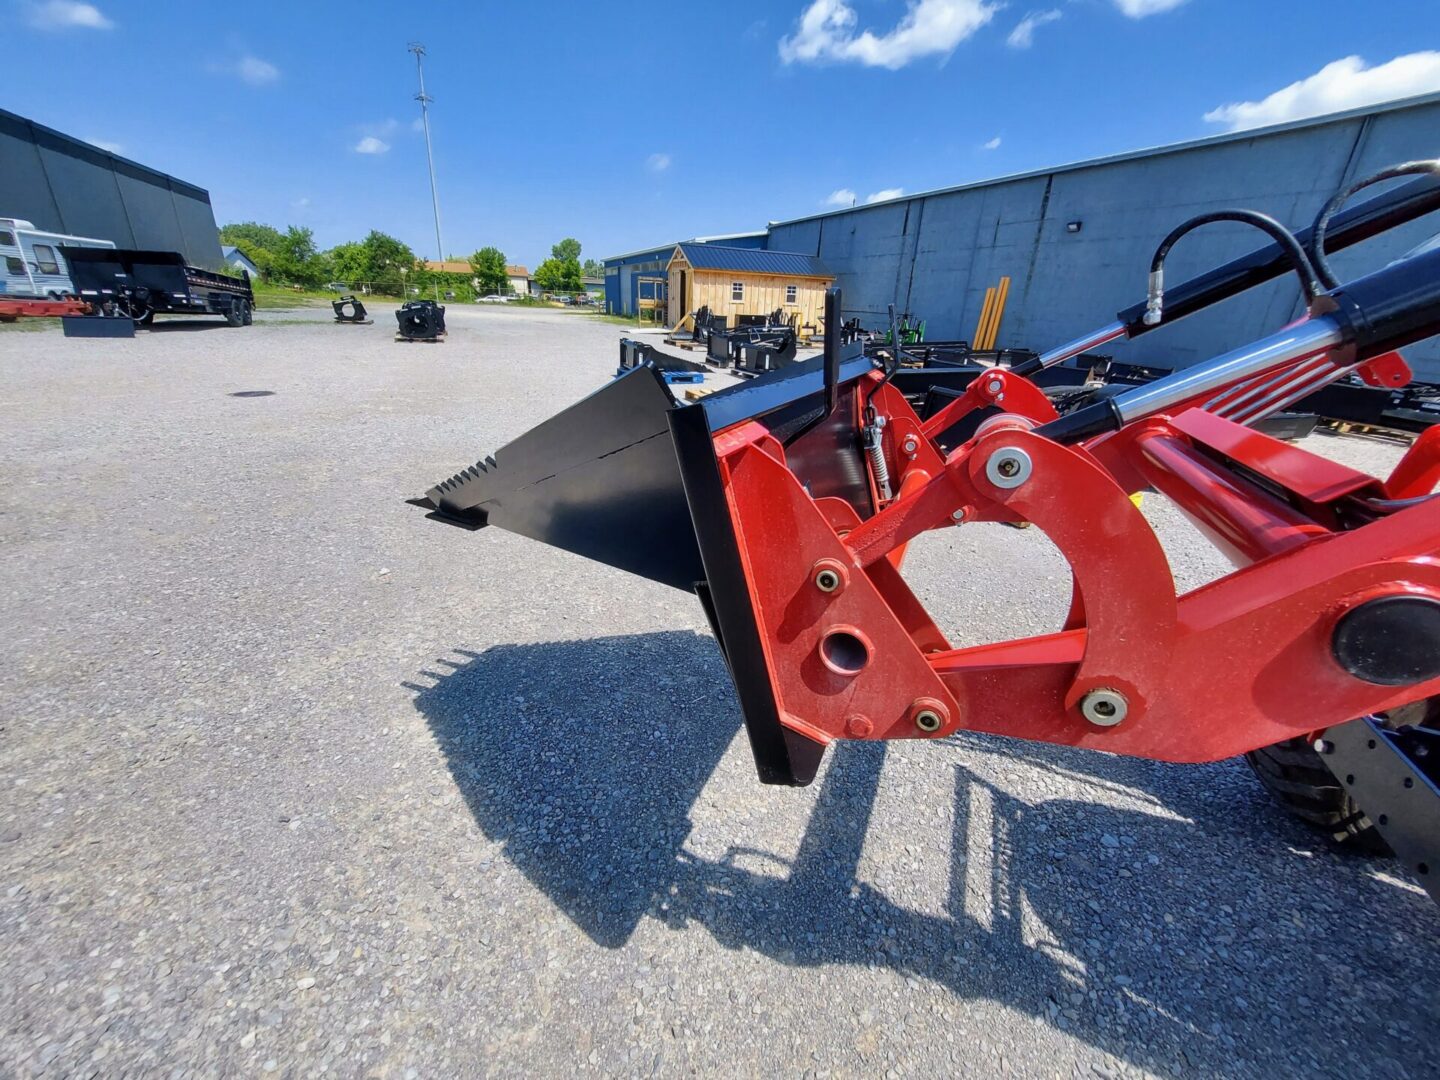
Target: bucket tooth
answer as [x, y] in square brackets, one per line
[599, 479]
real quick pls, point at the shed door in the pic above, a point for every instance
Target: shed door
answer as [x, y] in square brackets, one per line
[684, 294]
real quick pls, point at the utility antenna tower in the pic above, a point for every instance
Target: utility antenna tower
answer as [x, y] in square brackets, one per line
[419, 50]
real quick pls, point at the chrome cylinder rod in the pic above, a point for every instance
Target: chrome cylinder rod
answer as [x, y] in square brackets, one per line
[1278, 350]
[1092, 340]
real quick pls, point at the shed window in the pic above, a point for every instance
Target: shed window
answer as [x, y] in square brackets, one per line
[14, 265]
[737, 290]
[7, 238]
[45, 256]
[790, 293]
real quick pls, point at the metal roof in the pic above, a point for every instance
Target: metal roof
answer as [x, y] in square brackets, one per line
[666, 249]
[1130, 155]
[753, 261]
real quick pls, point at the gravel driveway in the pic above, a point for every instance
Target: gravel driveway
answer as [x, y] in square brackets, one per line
[296, 781]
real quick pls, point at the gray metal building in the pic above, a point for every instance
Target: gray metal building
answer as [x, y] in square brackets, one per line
[65, 185]
[1076, 241]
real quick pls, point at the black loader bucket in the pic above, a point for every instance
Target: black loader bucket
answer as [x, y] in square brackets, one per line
[629, 477]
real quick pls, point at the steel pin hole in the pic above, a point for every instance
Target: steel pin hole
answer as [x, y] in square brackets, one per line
[844, 651]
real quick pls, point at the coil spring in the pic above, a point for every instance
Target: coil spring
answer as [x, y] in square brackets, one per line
[876, 451]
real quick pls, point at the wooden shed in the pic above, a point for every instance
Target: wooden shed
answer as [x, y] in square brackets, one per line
[743, 281]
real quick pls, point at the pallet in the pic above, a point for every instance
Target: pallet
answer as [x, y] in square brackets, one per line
[695, 393]
[1352, 427]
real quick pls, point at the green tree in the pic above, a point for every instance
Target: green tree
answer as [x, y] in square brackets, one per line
[561, 272]
[559, 275]
[385, 259]
[349, 262]
[296, 259]
[591, 268]
[488, 265]
[250, 237]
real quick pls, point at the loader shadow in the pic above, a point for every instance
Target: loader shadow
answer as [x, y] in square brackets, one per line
[586, 760]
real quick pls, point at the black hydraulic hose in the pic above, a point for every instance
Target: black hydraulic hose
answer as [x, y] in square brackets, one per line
[1289, 245]
[1347, 228]
[1322, 220]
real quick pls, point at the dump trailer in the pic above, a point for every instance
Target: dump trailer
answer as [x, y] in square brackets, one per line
[785, 504]
[131, 284]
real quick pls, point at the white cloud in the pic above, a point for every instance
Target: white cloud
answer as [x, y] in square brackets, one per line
[255, 71]
[1138, 9]
[887, 193]
[991, 144]
[826, 33]
[418, 124]
[107, 145]
[371, 145]
[1023, 36]
[840, 197]
[1344, 84]
[657, 162]
[65, 15]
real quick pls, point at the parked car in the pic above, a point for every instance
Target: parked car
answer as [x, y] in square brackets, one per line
[496, 298]
[31, 263]
[338, 286]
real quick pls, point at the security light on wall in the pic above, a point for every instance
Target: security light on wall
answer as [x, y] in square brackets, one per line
[1073, 226]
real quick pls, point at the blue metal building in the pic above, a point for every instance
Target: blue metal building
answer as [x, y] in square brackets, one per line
[623, 273]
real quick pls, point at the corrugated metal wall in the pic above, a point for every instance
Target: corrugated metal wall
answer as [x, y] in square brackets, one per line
[65, 185]
[935, 255]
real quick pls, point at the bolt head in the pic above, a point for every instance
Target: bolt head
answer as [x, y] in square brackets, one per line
[994, 386]
[958, 515]
[911, 446]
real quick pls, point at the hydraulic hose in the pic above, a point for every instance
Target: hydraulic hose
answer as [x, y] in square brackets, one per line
[1289, 245]
[1322, 220]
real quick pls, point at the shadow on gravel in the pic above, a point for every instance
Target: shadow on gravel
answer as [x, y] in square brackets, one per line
[585, 758]
[180, 326]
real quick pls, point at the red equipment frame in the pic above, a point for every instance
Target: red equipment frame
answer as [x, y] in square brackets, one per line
[1241, 663]
[10, 310]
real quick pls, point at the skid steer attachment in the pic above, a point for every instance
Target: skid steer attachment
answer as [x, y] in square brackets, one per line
[786, 504]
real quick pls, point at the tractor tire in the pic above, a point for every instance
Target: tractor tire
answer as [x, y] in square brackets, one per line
[1296, 777]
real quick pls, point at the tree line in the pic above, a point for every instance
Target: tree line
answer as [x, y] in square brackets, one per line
[387, 266]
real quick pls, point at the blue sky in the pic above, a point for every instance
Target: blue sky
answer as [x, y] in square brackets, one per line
[629, 124]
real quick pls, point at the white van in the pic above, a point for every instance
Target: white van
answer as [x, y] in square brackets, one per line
[30, 261]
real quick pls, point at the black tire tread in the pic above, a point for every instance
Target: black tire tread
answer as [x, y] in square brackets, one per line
[1296, 777]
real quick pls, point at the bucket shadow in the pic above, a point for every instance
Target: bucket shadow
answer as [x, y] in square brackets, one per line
[586, 758]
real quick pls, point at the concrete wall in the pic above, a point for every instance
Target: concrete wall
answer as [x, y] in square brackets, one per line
[65, 185]
[935, 255]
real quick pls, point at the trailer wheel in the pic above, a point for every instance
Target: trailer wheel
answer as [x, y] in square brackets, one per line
[247, 312]
[233, 314]
[1297, 778]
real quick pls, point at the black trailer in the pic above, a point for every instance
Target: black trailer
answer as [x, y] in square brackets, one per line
[138, 285]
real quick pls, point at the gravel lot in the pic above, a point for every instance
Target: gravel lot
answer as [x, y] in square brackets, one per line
[296, 781]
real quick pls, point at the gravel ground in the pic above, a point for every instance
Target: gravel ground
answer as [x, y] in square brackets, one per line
[298, 782]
